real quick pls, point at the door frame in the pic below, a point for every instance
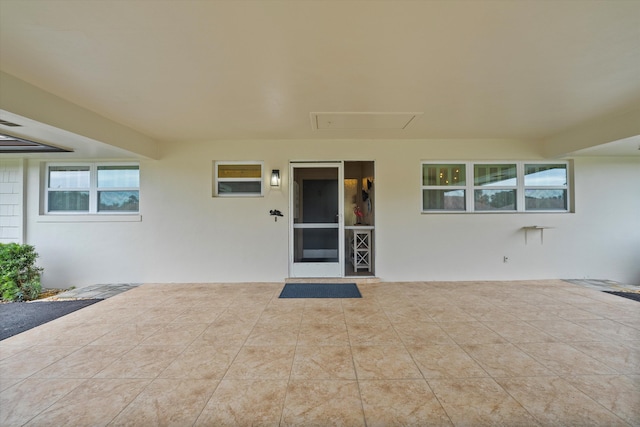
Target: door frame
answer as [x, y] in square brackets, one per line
[310, 269]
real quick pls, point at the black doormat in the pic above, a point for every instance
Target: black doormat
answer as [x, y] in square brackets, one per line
[320, 290]
[17, 317]
[631, 295]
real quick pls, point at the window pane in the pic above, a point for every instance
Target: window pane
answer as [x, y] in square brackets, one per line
[492, 200]
[240, 171]
[239, 187]
[118, 177]
[69, 177]
[545, 200]
[452, 200]
[495, 175]
[70, 201]
[119, 201]
[545, 175]
[452, 174]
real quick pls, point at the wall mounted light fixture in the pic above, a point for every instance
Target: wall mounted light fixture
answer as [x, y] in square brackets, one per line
[275, 178]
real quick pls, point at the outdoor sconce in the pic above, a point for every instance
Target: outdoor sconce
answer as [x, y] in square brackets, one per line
[275, 178]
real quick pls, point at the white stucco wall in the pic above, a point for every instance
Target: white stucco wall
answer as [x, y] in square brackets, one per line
[186, 235]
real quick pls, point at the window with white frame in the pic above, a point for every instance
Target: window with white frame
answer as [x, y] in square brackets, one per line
[444, 187]
[238, 179]
[495, 187]
[92, 188]
[545, 187]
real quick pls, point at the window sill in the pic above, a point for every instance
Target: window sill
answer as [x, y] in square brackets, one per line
[89, 218]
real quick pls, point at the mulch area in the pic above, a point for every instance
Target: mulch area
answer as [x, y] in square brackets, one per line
[17, 317]
[630, 295]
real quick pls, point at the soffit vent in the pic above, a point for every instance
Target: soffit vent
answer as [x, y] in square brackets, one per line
[10, 124]
[361, 120]
[12, 144]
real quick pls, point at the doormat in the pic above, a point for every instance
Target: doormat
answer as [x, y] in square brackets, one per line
[631, 295]
[320, 290]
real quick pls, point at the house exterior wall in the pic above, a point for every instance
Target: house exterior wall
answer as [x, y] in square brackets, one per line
[11, 200]
[186, 235]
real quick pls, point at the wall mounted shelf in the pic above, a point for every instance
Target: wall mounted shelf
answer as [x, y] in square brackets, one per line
[535, 228]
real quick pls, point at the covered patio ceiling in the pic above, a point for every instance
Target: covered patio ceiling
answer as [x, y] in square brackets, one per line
[179, 71]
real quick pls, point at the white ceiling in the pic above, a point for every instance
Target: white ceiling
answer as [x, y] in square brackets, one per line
[255, 69]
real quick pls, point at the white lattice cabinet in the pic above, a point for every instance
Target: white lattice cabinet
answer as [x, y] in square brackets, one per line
[360, 248]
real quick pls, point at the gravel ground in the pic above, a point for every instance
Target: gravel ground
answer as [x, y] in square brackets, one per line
[17, 317]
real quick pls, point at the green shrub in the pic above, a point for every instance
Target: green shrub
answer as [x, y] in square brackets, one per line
[19, 276]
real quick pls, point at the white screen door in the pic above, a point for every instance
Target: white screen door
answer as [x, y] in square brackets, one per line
[317, 228]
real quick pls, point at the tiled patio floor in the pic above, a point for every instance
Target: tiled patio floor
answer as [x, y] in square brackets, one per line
[463, 353]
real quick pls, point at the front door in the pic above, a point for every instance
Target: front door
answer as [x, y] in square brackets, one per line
[317, 228]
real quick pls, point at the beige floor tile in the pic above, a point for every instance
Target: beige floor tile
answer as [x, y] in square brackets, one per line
[397, 330]
[488, 313]
[384, 362]
[550, 399]
[577, 314]
[519, 332]
[566, 330]
[619, 356]
[373, 334]
[262, 362]
[130, 334]
[401, 403]
[167, 402]
[505, 360]
[479, 402]
[23, 401]
[448, 313]
[563, 359]
[199, 315]
[611, 329]
[201, 362]
[245, 403]
[94, 402]
[247, 315]
[619, 394]
[445, 361]
[144, 361]
[274, 334]
[635, 345]
[83, 363]
[32, 360]
[614, 310]
[114, 315]
[159, 313]
[77, 334]
[37, 335]
[323, 363]
[323, 314]
[400, 314]
[365, 316]
[422, 333]
[8, 350]
[224, 333]
[527, 312]
[175, 334]
[277, 316]
[471, 333]
[322, 403]
[5, 383]
[316, 334]
[631, 322]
